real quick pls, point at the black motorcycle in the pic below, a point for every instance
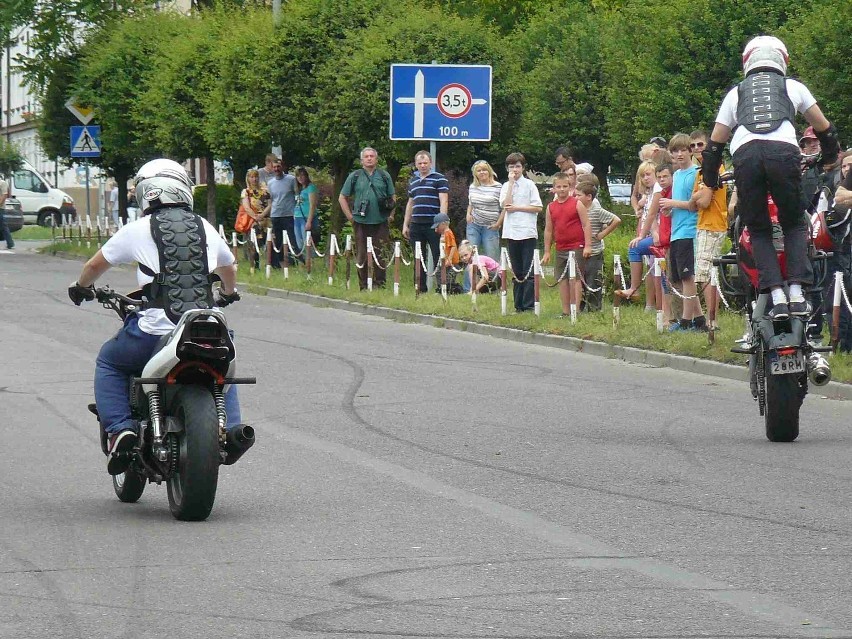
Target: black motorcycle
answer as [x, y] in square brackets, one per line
[180, 405]
[782, 360]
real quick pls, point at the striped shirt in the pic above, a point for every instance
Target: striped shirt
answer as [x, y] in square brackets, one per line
[424, 191]
[485, 203]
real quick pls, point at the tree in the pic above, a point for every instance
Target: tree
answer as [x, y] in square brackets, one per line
[347, 117]
[10, 158]
[237, 125]
[819, 42]
[562, 89]
[173, 103]
[115, 70]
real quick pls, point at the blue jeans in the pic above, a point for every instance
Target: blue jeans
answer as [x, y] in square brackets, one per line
[299, 231]
[123, 357]
[4, 230]
[486, 239]
[635, 253]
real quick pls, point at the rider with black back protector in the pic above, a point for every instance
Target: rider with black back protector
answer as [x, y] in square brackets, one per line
[178, 253]
[760, 112]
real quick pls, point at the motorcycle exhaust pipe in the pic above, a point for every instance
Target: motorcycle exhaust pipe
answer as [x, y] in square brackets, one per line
[239, 440]
[819, 371]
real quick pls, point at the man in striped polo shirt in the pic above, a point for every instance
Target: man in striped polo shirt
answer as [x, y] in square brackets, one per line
[428, 195]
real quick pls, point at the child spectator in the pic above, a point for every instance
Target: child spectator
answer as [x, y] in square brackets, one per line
[521, 203]
[684, 220]
[712, 228]
[567, 221]
[663, 241]
[602, 223]
[489, 269]
[641, 244]
[441, 226]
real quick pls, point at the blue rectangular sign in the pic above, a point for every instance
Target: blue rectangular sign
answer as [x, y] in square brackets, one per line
[440, 102]
[85, 141]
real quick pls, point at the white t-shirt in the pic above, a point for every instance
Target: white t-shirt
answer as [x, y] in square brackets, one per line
[113, 199]
[802, 100]
[134, 243]
[520, 225]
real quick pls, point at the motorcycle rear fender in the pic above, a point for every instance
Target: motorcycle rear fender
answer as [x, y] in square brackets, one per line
[166, 359]
[775, 335]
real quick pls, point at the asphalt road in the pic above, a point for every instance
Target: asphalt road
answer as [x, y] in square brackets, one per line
[410, 481]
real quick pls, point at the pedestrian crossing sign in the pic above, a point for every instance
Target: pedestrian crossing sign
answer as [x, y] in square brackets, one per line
[85, 141]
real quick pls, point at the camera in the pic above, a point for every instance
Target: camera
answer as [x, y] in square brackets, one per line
[362, 208]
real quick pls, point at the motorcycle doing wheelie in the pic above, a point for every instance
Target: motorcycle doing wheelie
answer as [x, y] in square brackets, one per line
[782, 360]
[179, 402]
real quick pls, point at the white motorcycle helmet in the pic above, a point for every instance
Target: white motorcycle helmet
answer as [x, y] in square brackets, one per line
[162, 182]
[765, 52]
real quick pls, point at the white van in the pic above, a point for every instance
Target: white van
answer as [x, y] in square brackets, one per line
[39, 200]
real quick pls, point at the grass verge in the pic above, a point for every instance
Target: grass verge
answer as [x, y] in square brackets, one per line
[636, 328]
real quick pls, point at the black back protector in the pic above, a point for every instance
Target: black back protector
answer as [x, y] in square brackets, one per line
[763, 103]
[184, 281]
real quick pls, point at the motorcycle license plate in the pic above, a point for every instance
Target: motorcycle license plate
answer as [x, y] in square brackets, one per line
[785, 364]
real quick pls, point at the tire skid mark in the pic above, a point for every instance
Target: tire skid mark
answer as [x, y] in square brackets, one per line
[48, 584]
[348, 405]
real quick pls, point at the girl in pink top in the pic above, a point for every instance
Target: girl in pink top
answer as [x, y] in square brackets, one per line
[488, 268]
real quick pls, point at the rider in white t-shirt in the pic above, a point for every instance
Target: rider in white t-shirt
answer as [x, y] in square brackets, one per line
[160, 183]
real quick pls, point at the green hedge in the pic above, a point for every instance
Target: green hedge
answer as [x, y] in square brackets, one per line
[227, 203]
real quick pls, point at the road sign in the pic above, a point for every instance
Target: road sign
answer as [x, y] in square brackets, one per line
[440, 102]
[85, 141]
[82, 113]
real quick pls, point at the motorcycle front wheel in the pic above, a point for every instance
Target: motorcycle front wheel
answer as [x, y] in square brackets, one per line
[129, 486]
[783, 401]
[192, 484]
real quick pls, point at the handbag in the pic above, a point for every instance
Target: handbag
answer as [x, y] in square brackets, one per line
[386, 204]
[244, 221]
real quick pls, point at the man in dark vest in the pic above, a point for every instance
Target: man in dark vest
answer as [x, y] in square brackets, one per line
[176, 252]
[760, 112]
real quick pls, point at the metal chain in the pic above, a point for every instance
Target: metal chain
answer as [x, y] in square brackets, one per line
[515, 279]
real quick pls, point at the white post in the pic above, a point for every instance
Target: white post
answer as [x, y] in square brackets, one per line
[504, 266]
[443, 269]
[537, 271]
[616, 270]
[285, 246]
[474, 274]
[397, 255]
[367, 259]
[269, 239]
[332, 243]
[657, 274]
[572, 276]
[222, 232]
[348, 243]
[88, 230]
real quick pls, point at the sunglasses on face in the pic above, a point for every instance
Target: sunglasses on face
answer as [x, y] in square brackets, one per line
[696, 145]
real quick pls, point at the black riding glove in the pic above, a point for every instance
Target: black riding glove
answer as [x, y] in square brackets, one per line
[222, 299]
[80, 294]
[829, 144]
[711, 160]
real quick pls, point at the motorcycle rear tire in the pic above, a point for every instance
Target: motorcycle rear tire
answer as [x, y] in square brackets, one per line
[129, 486]
[783, 401]
[192, 486]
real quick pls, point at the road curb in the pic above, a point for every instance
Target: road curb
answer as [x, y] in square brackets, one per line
[833, 390]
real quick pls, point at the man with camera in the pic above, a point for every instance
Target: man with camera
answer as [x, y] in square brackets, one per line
[367, 199]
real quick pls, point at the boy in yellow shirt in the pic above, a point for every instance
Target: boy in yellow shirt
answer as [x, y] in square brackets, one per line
[711, 228]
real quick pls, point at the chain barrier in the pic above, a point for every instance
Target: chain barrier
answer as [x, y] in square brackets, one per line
[586, 286]
[845, 296]
[515, 279]
[561, 277]
[376, 258]
[715, 275]
[314, 246]
[292, 250]
[426, 270]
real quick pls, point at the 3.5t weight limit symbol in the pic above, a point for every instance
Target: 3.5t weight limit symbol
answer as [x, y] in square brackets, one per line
[454, 100]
